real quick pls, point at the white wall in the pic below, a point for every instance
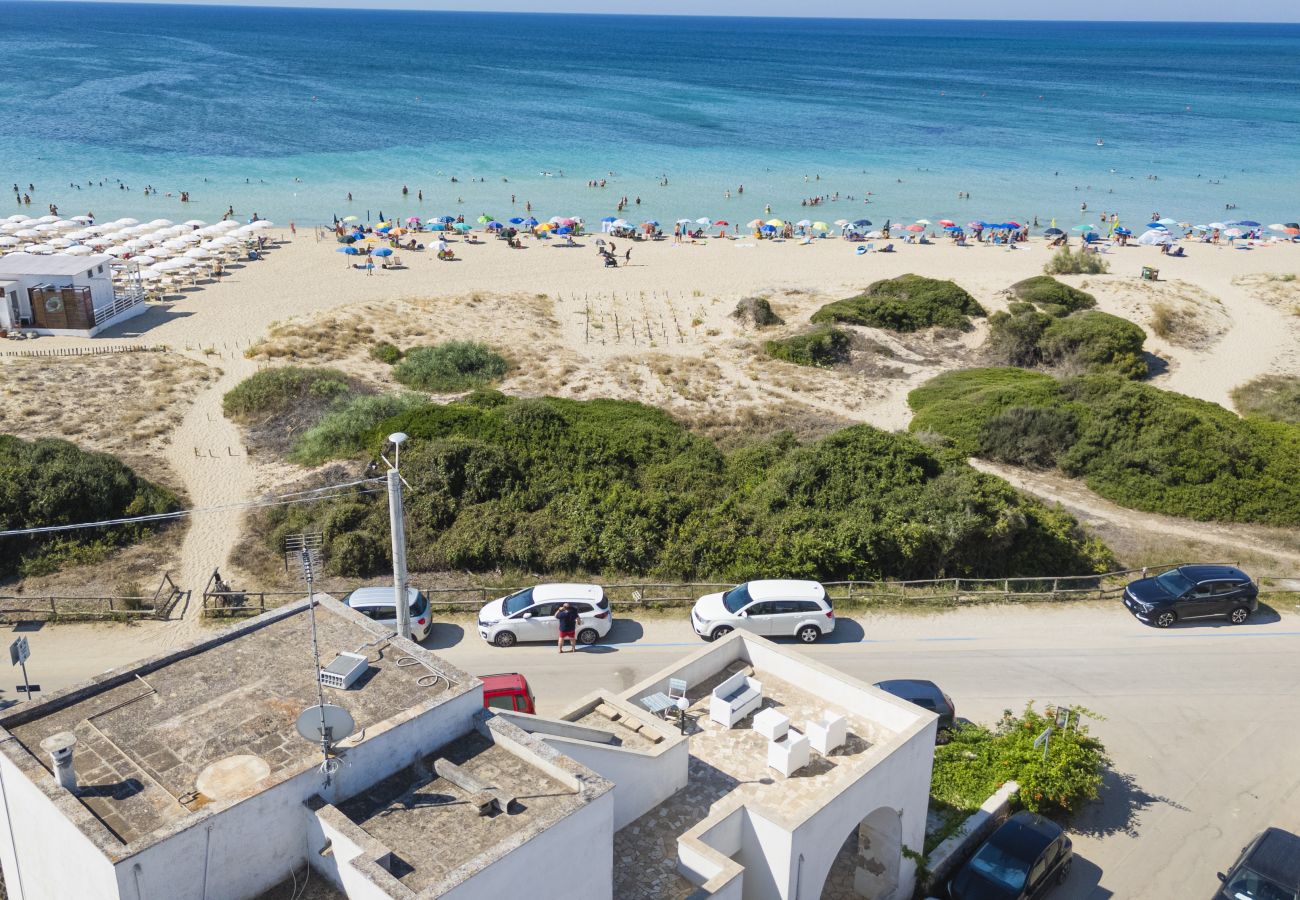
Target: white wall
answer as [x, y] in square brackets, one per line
[255, 844]
[571, 860]
[57, 861]
[641, 780]
[765, 852]
[344, 861]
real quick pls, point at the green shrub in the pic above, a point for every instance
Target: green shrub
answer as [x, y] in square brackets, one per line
[978, 761]
[52, 482]
[1044, 290]
[905, 303]
[1067, 262]
[1015, 336]
[1028, 435]
[450, 366]
[1275, 397]
[346, 430]
[1136, 445]
[555, 486]
[757, 311]
[825, 345]
[386, 353]
[1095, 342]
[274, 392]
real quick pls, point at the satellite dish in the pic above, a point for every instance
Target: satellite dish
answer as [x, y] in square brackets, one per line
[337, 724]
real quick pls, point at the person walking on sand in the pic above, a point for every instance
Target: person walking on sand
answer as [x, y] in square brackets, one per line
[567, 616]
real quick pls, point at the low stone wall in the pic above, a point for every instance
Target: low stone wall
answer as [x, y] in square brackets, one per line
[944, 858]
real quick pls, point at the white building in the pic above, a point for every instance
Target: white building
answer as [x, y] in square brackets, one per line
[63, 295]
[188, 780]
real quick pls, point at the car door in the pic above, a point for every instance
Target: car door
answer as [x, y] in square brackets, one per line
[786, 614]
[1037, 882]
[548, 627]
[757, 617]
[1198, 603]
[1226, 594]
[528, 626]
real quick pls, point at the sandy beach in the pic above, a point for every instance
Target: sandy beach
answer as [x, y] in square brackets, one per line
[659, 330]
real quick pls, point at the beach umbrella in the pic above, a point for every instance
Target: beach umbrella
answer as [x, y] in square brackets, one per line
[485, 218]
[349, 250]
[123, 223]
[530, 222]
[947, 223]
[610, 219]
[48, 220]
[1218, 226]
[47, 228]
[197, 253]
[137, 244]
[40, 248]
[1233, 233]
[1155, 225]
[79, 250]
[119, 251]
[1167, 222]
[161, 223]
[1155, 236]
[518, 221]
[769, 228]
[61, 243]
[495, 225]
[821, 226]
[143, 260]
[412, 220]
[915, 227]
[840, 223]
[620, 223]
[653, 223]
[754, 223]
[446, 220]
[1122, 230]
[775, 223]
[861, 223]
[194, 223]
[564, 229]
[10, 241]
[27, 233]
[924, 222]
[463, 226]
[803, 223]
[543, 226]
[1084, 228]
[384, 230]
[1247, 223]
[703, 220]
[1291, 225]
[384, 251]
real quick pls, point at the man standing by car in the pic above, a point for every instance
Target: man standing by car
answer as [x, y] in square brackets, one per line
[567, 616]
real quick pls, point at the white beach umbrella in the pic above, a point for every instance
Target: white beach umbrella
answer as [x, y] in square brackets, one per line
[211, 230]
[175, 244]
[27, 233]
[9, 241]
[116, 237]
[126, 223]
[221, 243]
[46, 220]
[18, 218]
[61, 242]
[162, 223]
[118, 251]
[150, 275]
[170, 265]
[143, 259]
[194, 223]
[138, 244]
[82, 220]
[161, 252]
[79, 250]
[11, 227]
[227, 224]
[263, 224]
[190, 237]
[40, 248]
[198, 253]
[80, 236]
[47, 228]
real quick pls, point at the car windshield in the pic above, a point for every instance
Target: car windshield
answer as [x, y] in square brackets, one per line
[1001, 867]
[1250, 885]
[1175, 582]
[518, 601]
[736, 599]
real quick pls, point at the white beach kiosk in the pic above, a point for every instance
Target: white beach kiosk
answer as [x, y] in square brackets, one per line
[58, 294]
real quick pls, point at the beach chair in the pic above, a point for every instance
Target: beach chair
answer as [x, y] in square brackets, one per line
[888, 248]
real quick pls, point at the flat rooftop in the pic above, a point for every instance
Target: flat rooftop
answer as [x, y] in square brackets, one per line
[52, 264]
[431, 827]
[727, 762]
[146, 734]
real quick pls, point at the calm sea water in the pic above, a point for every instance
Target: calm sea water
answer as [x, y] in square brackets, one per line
[285, 111]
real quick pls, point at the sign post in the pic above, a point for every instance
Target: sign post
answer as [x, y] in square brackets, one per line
[19, 653]
[1044, 740]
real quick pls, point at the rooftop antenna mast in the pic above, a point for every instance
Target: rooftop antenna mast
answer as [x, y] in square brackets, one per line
[305, 550]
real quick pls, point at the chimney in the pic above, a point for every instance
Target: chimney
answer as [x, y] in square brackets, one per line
[59, 746]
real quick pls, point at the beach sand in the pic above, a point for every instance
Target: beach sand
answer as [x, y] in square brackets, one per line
[659, 330]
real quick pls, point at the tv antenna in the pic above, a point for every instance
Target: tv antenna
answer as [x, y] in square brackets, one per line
[321, 723]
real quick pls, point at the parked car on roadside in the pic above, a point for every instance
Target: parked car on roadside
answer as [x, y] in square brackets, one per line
[1268, 869]
[1193, 592]
[377, 603]
[508, 690]
[529, 615]
[1024, 859]
[774, 608]
[927, 695]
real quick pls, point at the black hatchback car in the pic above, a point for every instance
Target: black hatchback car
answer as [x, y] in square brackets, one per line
[1269, 869]
[1193, 592]
[927, 695]
[1022, 860]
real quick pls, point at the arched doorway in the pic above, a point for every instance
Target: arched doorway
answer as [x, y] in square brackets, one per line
[880, 855]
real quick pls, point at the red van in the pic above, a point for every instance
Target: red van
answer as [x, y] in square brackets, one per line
[507, 691]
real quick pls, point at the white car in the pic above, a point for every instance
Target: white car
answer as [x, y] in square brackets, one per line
[776, 608]
[377, 603]
[529, 615]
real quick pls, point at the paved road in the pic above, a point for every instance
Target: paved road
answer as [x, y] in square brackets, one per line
[1201, 721]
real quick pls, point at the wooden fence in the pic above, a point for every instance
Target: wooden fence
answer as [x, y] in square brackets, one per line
[52, 608]
[100, 350]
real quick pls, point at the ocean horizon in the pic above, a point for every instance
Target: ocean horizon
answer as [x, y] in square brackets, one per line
[285, 111]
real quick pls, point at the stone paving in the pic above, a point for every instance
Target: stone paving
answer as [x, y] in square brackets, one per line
[724, 762]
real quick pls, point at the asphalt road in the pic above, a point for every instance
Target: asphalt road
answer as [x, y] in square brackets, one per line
[1201, 721]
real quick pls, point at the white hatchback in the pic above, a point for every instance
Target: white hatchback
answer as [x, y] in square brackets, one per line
[529, 615]
[377, 603]
[774, 608]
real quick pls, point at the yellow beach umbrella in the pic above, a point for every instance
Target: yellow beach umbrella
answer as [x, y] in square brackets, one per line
[821, 226]
[775, 223]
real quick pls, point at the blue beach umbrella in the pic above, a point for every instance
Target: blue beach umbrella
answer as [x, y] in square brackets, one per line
[516, 221]
[530, 222]
[494, 225]
[768, 228]
[1247, 223]
[446, 220]
[1052, 232]
[610, 219]
[862, 223]
[1159, 225]
[1122, 230]
[384, 251]
[564, 229]
[350, 251]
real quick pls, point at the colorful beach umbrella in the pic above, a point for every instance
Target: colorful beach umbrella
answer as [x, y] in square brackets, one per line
[947, 223]
[775, 223]
[915, 227]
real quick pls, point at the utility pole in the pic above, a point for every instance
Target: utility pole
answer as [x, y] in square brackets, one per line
[397, 525]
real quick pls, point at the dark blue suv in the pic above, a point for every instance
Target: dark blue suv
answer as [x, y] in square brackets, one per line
[1193, 592]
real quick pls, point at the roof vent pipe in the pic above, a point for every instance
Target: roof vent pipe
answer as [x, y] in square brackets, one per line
[59, 746]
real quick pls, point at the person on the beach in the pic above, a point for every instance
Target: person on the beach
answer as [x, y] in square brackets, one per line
[567, 617]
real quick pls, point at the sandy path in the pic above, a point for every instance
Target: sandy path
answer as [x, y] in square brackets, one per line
[1093, 510]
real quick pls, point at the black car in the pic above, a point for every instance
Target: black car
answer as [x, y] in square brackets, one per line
[1022, 860]
[1269, 869]
[927, 695]
[1193, 592]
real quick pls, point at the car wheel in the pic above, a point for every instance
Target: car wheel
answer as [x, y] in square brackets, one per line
[1238, 615]
[505, 639]
[720, 632]
[1164, 619]
[809, 634]
[943, 736]
[588, 636]
[1065, 871]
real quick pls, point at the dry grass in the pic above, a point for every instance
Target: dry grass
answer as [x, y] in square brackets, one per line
[1280, 289]
[124, 405]
[1179, 313]
[142, 564]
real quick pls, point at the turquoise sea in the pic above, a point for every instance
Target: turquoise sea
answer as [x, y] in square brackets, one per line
[285, 111]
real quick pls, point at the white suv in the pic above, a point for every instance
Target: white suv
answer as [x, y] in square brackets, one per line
[776, 608]
[377, 603]
[529, 615]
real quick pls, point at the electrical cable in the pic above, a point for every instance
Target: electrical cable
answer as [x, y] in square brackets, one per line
[311, 496]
